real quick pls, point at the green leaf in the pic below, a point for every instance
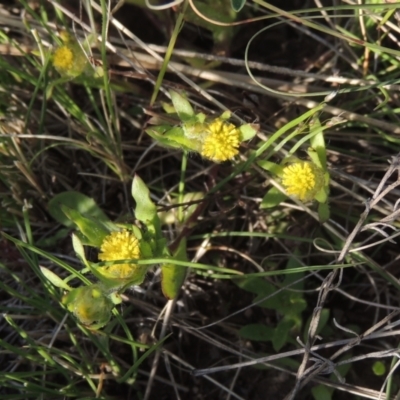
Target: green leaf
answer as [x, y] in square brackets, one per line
[168, 108]
[383, 103]
[281, 333]
[226, 115]
[201, 117]
[254, 285]
[93, 229]
[317, 142]
[292, 302]
[77, 244]
[324, 318]
[257, 332]
[270, 166]
[237, 5]
[312, 153]
[54, 279]
[145, 210]
[173, 276]
[379, 368]
[322, 392]
[248, 131]
[173, 137]
[115, 298]
[322, 196]
[289, 303]
[182, 106]
[292, 264]
[177, 136]
[79, 249]
[323, 212]
[77, 201]
[170, 217]
[272, 198]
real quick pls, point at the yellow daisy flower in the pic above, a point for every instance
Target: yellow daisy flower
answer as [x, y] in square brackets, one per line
[302, 179]
[221, 141]
[120, 246]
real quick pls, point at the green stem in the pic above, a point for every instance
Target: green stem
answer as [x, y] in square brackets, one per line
[318, 27]
[181, 188]
[113, 127]
[168, 54]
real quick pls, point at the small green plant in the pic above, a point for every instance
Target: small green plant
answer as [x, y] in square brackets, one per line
[304, 180]
[122, 247]
[70, 59]
[215, 139]
[289, 305]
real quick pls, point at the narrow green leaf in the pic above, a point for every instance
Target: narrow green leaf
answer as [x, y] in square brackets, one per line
[312, 153]
[270, 166]
[317, 142]
[173, 276]
[273, 198]
[78, 248]
[161, 140]
[182, 106]
[93, 229]
[323, 212]
[383, 103]
[54, 279]
[174, 137]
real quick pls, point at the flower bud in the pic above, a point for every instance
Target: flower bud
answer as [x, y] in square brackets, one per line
[90, 305]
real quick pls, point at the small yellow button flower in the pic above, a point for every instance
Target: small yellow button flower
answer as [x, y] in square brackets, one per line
[120, 246]
[69, 59]
[63, 59]
[302, 179]
[221, 141]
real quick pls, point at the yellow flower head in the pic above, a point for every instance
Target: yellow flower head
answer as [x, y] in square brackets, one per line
[69, 59]
[63, 59]
[302, 179]
[221, 141]
[120, 246]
